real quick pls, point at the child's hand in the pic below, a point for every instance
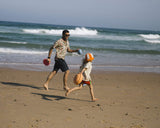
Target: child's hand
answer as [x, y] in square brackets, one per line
[80, 72]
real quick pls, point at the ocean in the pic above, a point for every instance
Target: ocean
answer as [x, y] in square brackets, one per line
[25, 45]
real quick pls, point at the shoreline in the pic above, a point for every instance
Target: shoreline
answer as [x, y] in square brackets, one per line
[102, 68]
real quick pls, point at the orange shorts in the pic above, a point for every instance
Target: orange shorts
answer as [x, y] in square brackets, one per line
[86, 82]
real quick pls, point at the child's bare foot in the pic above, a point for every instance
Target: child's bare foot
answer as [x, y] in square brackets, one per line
[94, 99]
[45, 86]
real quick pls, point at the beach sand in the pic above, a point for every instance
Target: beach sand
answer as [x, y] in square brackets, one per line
[126, 100]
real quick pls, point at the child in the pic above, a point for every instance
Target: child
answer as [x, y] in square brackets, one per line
[85, 69]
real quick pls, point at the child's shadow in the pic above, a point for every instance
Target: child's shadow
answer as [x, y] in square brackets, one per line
[46, 97]
[18, 84]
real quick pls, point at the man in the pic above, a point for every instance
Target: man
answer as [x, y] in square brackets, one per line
[62, 47]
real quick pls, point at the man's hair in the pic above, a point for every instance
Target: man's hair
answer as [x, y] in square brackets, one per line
[64, 32]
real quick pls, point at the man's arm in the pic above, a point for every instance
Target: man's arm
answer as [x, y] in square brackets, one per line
[50, 52]
[70, 50]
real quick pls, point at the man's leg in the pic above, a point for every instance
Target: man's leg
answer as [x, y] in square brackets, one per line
[50, 76]
[65, 78]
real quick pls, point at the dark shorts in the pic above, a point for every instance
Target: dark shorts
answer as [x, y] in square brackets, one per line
[60, 64]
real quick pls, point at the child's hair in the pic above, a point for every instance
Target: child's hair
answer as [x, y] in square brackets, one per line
[88, 58]
[84, 61]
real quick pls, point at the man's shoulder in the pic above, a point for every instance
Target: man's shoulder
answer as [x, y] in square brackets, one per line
[59, 40]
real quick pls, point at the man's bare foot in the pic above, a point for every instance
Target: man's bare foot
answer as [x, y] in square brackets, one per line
[94, 99]
[45, 86]
[67, 92]
[66, 88]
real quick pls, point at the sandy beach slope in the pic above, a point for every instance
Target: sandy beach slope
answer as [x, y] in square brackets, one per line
[126, 100]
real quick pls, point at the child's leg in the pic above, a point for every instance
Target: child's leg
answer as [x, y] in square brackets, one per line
[91, 92]
[73, 89]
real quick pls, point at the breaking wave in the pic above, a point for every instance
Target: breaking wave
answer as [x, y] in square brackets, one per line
[77, 31]
[153, 41]
[151, 38]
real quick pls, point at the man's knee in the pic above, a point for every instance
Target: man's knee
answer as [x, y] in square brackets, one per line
[54, 72]
[67, 72]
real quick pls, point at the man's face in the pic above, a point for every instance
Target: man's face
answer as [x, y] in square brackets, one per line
[66, 36]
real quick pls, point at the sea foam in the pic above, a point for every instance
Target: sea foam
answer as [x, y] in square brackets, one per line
[21, 51]
[153, 41]
[76, 31]
[15, 42]
[150, 36]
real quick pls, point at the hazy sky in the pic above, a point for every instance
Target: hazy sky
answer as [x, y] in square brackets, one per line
[130, 14]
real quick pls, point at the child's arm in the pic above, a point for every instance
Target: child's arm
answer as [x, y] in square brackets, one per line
[83, 70]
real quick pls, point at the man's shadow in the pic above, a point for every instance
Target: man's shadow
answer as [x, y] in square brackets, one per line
[26, 85]
[20, 85]
[46, 97]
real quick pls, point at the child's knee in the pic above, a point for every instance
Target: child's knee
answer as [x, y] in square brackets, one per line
[67, 72]
[90, 86]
